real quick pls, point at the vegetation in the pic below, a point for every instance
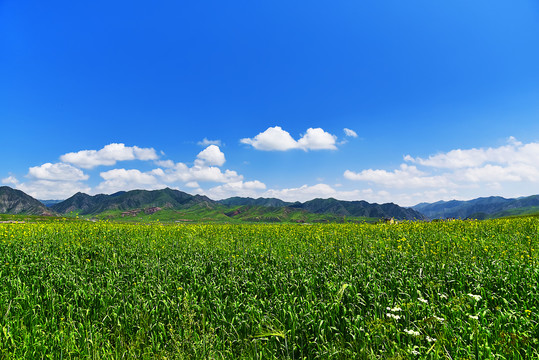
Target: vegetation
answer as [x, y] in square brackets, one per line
[235, 215]
[455, 290]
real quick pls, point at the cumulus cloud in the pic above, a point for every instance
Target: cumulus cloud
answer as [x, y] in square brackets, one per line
[206, 142]
[274, 138]
[109, 155]
[11, 180]
[512, 153]
[277, 139]
[61, 180]
[317, 139]
[165, 163]
[51, 181]
[211, 155]
[52, 189]
[509, 170]
[181, 172]
[123, 180]
[309, 192]
[513, 162]
[350, 133]
[405, 177]
[57, 172]
[236, 188]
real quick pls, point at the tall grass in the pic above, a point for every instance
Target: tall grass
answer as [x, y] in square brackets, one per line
[455, 290]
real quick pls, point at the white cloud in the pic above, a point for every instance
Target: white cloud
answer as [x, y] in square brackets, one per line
[51, 181]
[109, 155]
[277, 139]
[211, 155]
[68, 178]
[52, 190]
[123, 180]
[213, 174]
[10, 180]
[183, 173]
[206, 142]
[58, 171]
[274, 138]
[513, 152]
[317, 139]
[236, 188]
[192, 184]
[165, 163]
[405, 177]
[496, 173]
[514, 162]
[509, 170]
[306, 192]
[350, 133]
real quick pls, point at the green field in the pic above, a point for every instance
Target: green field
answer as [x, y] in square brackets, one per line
[441, 290]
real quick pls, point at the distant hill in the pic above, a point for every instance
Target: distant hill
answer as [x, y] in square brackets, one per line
[49, 203]
[14, 201]
[84, 204]
[480, 208]
[359, 208]
[333, 207]
[246, 201]
[169, 204]
[174, 205]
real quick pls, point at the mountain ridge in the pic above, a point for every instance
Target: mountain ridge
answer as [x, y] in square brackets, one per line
[481, 207]
[171, 204]
[86, 204]
[175, 203]
[13, 201]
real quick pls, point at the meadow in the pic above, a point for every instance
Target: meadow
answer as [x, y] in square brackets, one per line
[414, 290]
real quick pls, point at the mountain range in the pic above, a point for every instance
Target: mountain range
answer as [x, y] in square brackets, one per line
[480, 208]
[174, 205]
[14, 201]
[170, 204]
[84, 204]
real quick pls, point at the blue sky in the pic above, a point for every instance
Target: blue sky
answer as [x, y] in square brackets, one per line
[384, 101]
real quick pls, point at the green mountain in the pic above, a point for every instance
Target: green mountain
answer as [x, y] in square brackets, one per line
[155, 200]
[332, 206]
[480, 208]
[174, 205]
[246, 201]
[359, 208]
[14, 201]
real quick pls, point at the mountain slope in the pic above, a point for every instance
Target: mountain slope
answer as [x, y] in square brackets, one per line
[166, 198]
[333, 207]
[14, 201]
[246, 201]
[359, 209]
[477, 208]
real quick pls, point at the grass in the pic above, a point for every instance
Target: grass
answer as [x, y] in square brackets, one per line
[455, 290]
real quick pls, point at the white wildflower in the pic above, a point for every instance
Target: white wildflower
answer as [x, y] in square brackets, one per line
[474, 317]
[411, 332]
[429, 339]
[475, 297]
[415, 352]
[396, 317]
[440, 319]
[395, 309]
[424, 301]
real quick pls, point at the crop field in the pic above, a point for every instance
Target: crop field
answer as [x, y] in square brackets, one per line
[440, 290]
